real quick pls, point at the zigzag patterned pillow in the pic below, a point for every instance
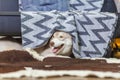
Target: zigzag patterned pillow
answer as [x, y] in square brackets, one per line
[95, 32]
[38, 27]
[86, 5]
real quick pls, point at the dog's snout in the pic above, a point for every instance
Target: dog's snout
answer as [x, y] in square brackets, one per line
[51, 43]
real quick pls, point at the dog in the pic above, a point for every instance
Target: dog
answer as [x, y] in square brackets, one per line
[59, 45]
[9, 43]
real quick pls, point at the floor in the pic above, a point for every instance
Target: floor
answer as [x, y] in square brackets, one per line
[61, 78]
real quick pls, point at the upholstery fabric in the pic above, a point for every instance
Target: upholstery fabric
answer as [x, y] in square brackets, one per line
[86, 5]
[61, 5]
[95, 32]
[14, 21]
[38, 27]
[44, 5]
[91, 32]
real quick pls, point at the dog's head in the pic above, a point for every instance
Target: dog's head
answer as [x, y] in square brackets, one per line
[61, 43]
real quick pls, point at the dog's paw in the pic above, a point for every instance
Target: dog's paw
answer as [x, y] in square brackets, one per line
[34, 54]
[63, 56]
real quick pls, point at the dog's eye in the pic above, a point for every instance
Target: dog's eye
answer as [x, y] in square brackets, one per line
[61, 36]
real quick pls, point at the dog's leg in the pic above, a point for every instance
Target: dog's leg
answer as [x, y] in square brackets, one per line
[63, 56]
[35, 54]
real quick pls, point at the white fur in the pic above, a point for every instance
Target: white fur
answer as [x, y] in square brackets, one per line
[43, 52]
[67, 45]
[66, 40]
[9, 45]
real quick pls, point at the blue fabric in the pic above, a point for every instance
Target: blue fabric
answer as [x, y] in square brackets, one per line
[44, 25]
[86, 5]
[109, 6]
[44, 5]
[95, 32]
[91, 32]
[61, 5]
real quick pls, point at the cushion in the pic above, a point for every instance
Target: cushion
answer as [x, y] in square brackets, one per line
[44, 24]
[43, 5]
[86, 5]
[91, 32]
[95, 32]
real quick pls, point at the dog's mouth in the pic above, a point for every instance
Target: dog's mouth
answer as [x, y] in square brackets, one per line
[56, 50]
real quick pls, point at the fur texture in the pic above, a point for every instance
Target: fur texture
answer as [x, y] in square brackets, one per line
[59, 44]
[8, 43]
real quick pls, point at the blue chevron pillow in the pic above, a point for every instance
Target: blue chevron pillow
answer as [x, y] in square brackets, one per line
[86, 5]
[37, 27]
[92, 30]
[95, 31]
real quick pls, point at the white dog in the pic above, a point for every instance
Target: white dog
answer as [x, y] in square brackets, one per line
[59, 45]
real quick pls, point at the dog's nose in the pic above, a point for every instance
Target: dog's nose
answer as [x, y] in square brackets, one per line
[51, 43]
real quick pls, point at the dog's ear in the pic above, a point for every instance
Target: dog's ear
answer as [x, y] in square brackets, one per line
[72, 56]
